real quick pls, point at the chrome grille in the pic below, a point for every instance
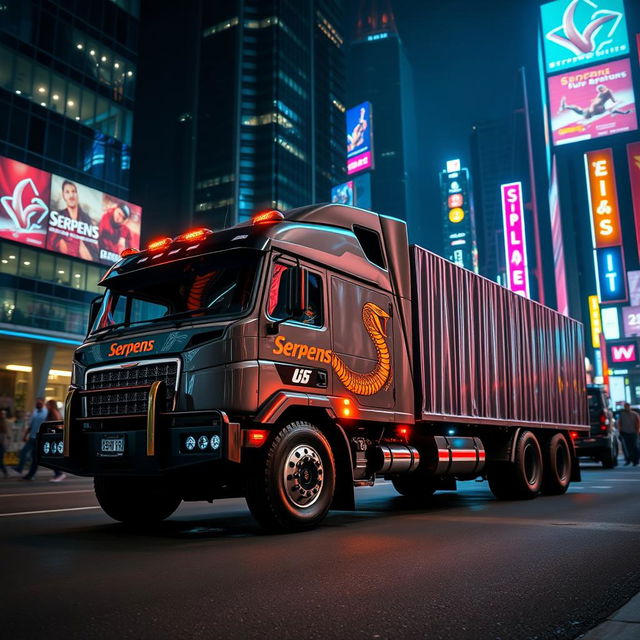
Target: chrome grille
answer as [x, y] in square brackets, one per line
[125, 402]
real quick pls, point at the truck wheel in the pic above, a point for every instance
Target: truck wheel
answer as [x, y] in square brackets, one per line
[522, 478]
[414, 485]
[556, 475]
[291, 486]
[135, 500]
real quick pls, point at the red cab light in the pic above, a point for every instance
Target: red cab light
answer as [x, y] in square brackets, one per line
[195, 235]
[255, 437]
[268, 217]
[159, 245]
[128, 252]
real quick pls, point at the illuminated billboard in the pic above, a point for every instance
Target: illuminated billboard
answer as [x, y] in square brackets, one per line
[343, 193]
[631, 321]
[557, 243]
[633, 159]
[595, 321]
[515, 241]
[577, 32]
[603, 199]
[355, 193]
[612, 286]
[50, 211]
[359, 138]
[592, 102]
[623, 353]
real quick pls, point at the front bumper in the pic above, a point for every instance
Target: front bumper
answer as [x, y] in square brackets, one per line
[150, 444]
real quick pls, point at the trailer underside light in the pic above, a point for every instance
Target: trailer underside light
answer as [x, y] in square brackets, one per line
[268, 217]
[159, 245]
[255, 437]
[573, 434]
[128, 252]
[403, 431]
[195, 235]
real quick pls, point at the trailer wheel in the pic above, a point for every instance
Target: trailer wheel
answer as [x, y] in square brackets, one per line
[135, 501]
[291, 485]
[414, 485]
[522, 478]
[556, 476]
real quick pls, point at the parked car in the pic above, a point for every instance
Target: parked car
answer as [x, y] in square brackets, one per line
[602, 442]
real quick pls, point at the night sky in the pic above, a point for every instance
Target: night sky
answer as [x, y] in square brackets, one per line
[466, 56]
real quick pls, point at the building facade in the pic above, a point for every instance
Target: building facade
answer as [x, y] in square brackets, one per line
[67, 86]
[257, 118]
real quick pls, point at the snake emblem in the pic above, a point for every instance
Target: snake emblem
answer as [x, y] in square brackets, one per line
[367, 384]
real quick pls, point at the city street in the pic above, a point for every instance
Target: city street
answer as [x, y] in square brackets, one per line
[466, 566]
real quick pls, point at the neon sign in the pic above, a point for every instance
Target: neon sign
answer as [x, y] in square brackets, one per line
[515, 238]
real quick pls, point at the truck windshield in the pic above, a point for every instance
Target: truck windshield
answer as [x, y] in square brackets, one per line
[218, 285]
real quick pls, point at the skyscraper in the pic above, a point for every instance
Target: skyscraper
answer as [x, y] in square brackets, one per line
[67, 85]
[256, 117]
[379, 72]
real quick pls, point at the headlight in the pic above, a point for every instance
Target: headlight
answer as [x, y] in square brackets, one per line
[46, 447]
[203, 442]
[190, 443]
[60, 447]
[215, 442]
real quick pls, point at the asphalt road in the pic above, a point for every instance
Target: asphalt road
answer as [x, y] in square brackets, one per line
[466, 566]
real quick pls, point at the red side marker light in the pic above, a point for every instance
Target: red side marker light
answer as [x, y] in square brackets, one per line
[268, 217]
[255, 437]
[159, 245]
[573, 434]
[128, 252]
[195, 235]
[403, 431]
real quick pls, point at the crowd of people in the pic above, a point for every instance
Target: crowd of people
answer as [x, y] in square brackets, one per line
[28, 457]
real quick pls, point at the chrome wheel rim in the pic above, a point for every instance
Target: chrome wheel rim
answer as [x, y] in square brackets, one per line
[303, 476]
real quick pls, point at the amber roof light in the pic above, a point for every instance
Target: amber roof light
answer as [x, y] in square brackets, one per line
[268, 217]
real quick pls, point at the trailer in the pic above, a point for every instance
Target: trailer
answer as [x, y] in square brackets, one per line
[295, 356]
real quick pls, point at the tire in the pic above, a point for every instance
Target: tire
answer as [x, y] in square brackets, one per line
[522, 478]
[291, 485]
[608, 459]
[557, 463]
[135, 501]
[414, 485]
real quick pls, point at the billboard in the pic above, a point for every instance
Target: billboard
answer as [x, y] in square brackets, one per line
[343, 194]
[355, 193]
[631, 321]
[577, 32]
[623, 353]
[515, 241]
[634, 288]
[610, 323]
[595, 321]
[49, 211]
[592, 102]
[359, 138]
[24, 203]
[611, 276]
[557, 243]
[633, 159]
[603, 199]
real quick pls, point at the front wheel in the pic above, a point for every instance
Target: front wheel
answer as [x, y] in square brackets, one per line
[291, 485]
[136, 501]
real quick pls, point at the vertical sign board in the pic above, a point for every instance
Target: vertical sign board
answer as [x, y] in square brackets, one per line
[610, 323]
[603, 199]
[633, 158]
[596, 324]
[612, 286]
[559, 269]
[515, 238]
[359, 138]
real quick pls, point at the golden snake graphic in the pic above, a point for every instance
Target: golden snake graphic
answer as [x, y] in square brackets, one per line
[366, 384]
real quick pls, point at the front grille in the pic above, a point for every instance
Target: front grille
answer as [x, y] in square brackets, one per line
[123, 402]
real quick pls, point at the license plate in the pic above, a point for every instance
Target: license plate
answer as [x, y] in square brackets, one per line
[112, 446]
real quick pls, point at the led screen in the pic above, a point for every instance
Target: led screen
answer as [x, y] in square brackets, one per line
[50, 211]
[343, 193]
[359, 138]
[578, 32]
[592, 102]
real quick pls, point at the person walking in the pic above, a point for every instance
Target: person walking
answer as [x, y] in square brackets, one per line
[5, 434]
[53, 414]
[38, 416]
[629, 427]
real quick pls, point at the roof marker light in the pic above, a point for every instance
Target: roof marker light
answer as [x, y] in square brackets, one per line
[159, 245]
[268, 217]
[195, 235]
[128, 252]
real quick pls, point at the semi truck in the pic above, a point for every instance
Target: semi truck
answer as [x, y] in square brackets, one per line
[293, 357]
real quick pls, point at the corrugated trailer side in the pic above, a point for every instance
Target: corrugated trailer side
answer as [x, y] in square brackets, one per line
[484, 354]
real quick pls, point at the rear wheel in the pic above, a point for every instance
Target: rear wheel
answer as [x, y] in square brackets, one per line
[292, 484]
[136, 500]
[556, 476]
[522, 478]
[414, 485]
[610, 457]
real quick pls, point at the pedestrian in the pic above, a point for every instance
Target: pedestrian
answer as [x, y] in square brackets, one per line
[5, 433]
[629, 427]
[38, 416]
[53, 414]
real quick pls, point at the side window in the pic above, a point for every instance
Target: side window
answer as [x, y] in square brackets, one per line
[283, 278]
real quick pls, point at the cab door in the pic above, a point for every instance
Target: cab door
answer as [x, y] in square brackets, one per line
[295, 345]
[362, 328]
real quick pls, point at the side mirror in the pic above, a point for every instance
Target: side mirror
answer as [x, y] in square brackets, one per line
[94, 309]
[296, 299]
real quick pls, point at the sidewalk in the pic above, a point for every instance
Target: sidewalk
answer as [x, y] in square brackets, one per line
[623, 624]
